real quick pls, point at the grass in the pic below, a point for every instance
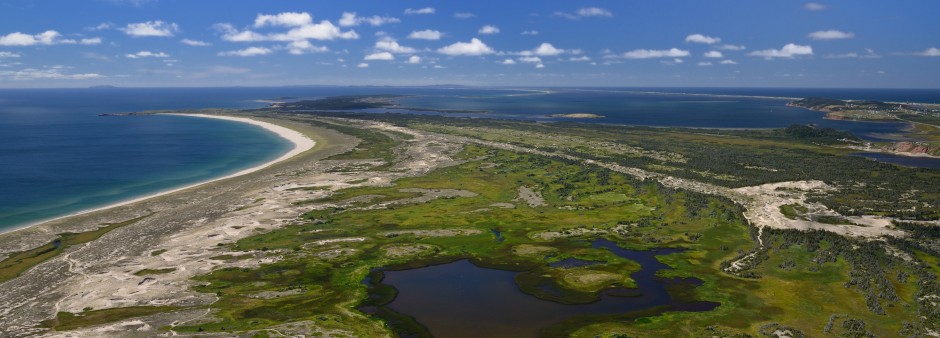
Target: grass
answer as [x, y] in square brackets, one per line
[65, 321]
[18, 262]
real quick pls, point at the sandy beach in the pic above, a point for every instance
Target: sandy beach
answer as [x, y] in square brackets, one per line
[301, 143]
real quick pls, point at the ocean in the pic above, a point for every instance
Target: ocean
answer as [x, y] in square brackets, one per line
[57, 157]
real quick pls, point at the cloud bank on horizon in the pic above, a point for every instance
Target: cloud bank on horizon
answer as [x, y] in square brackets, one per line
[604, 43]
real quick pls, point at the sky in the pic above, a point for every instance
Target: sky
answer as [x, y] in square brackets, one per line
[663, 43]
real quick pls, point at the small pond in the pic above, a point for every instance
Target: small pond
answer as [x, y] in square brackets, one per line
[460, 299]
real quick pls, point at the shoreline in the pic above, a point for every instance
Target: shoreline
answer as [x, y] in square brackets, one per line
[301, 144]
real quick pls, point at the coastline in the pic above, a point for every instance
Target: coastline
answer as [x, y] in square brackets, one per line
[301, 144]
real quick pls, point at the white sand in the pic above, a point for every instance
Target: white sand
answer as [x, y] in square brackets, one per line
[301, 144]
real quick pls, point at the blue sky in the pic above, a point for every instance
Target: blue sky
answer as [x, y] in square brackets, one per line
[736, 43]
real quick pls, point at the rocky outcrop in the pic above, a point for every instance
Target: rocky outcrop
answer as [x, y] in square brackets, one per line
[909, 147]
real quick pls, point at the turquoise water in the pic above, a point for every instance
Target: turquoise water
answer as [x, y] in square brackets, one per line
[57, 157]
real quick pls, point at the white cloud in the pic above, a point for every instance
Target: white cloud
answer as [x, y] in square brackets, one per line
[196, 43]
[488, 29]
[151, 28]
[350, 19]
[728, 62]
[545, 49]
[789, 51]
[530, 59]
[250, 51]
[9, 55]
[101, 26]
[147, 54]
[464, 15]
[731, 47]
[426, 10]
[49, 37]
[474, 47]
[831, 34]
[586, 12]
[929, 52]
[90, 41]
[649, 53]
[385, 56]
[540, 66]
[301, 29]
[699, 38]
[508, 62]
[704, 63]
[305, 47]
[52, 73]
[713, 54]
[579, 59]
[286, 19]
[414, 59]
[814, 6]
[390, 45]
[530, 32]
[363, 65]
[426, 34]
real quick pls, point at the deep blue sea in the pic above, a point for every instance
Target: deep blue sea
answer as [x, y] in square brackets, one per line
[58, 157]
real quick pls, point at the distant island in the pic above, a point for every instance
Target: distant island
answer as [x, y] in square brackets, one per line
[578, 116]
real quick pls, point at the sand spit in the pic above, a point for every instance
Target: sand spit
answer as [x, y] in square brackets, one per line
[186, 229]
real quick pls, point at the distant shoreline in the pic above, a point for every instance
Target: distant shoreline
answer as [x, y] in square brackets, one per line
[301, 144]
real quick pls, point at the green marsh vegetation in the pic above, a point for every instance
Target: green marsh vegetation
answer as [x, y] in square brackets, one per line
[811, 283]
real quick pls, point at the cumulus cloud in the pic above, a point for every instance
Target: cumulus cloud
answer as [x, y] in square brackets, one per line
[305, 47]
[390, 45]
[147, 54]
[419, 11]
[508, 62]
[474, 47]
[51, 73]
[9, 55]
[101, 26]
[704, 63]
[650, 53]
[301, 27]
[814, 6]
[546, 49]
[929, 52]
[464, 15]
[488, 29]
[250, 51]
[789, 51]
[831, 34]
[530, 32]
[90, 41]
[286, 19]
[350, 19]
[362, 65]
[699, 38]
[196, 43]
[530, 59]
[426, 34]
[384, 56]
[151, 29]
[731, 47]
[579, 59]
[713, 54]
[728, 62]
[586, 12]
[49, 37]
[414, 59]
